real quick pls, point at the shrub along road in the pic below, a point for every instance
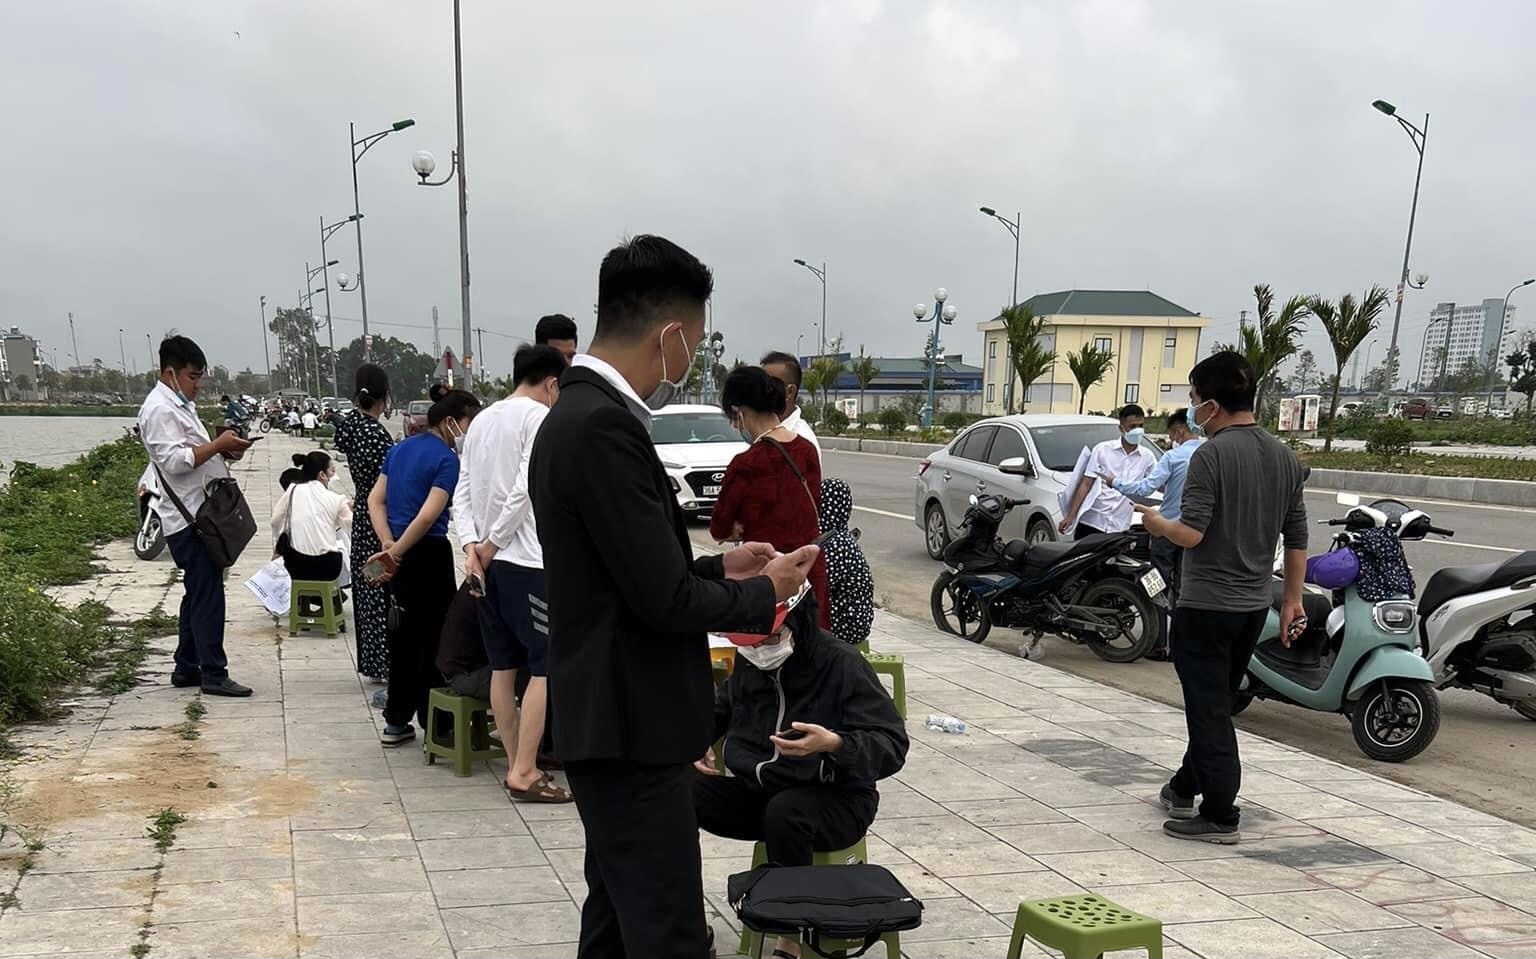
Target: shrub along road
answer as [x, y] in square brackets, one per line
[1482, 756]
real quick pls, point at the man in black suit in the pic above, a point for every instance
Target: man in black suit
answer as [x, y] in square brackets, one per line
[629, 675]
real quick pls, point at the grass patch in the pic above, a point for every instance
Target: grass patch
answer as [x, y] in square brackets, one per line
[1427, 464]
[195, 712]
[162, 828]
[54, 409]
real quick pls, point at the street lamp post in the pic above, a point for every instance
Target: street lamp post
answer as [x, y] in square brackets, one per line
[424, 163]
[1013, 226]
[122, 356]
[366, 143]
[1503, 317]
[821, 333]
[306, 301]
[1419, 136]
[942, 316]
[149, 346]
[266, 350]
[1423, 351]
[330, 328]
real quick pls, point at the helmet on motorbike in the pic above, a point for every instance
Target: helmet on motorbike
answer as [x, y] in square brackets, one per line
[1335, 569]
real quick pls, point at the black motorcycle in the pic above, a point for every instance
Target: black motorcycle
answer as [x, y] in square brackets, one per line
[1090, 591]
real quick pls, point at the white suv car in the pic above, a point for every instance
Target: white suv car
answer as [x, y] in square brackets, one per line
[695, 445]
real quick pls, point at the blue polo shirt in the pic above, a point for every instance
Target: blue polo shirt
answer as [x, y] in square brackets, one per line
[415, 467]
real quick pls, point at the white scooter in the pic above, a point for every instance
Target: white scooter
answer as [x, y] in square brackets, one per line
[1477, 624]
[150, 539]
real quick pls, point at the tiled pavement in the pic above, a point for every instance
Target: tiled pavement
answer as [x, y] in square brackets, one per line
[305, 838]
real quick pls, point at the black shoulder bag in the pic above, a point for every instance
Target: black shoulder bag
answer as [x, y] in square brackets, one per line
[224, 522]
[854, 903]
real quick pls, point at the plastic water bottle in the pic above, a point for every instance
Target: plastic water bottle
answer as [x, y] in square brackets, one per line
[948, 724]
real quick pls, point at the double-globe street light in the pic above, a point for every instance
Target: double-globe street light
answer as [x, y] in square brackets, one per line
[821, 331]
[1503, 317]
[424, 163]
[360, 147]
[1012, 226]
[306, 302]
[1419, 136]
[942, 316]
[330, 329]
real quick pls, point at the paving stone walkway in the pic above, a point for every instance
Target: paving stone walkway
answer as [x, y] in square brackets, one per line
[304, 838]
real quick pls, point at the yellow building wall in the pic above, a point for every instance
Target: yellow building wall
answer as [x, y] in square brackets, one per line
[1146, 369]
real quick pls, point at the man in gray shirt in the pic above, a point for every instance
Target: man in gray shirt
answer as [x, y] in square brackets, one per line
[1244, 490]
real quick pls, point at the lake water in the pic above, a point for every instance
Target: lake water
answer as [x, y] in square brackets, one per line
[55, 440]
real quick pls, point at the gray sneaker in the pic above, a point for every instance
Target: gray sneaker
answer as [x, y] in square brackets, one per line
[1175, 805]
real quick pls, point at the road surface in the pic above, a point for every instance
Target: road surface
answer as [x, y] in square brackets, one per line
[1484, 756]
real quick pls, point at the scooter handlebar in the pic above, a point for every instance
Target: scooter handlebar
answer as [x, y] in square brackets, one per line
[1442, 531]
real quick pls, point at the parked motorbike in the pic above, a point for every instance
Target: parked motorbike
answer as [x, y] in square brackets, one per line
[1090, 591]
[149, 541]
[1355, 657]
[1476, 624]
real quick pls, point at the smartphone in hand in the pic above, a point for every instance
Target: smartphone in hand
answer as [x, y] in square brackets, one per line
[373, 570]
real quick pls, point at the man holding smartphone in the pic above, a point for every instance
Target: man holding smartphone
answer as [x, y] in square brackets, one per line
[504, 562]
[1243, 489]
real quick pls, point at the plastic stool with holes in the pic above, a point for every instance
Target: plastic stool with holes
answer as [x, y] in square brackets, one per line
[1083, 927]
[470, 739]
[889, 664]
[752, 942]
[325, 595]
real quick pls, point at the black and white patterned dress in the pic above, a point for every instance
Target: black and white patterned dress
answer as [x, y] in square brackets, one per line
[364, 440]
[850, 586]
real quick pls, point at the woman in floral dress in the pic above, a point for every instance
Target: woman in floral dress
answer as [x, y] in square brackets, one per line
[364, 440]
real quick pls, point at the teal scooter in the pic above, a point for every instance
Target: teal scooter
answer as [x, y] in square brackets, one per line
[1354, 657]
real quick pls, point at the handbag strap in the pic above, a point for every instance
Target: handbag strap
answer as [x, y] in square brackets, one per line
[812, 939]
[165, 487]
[799, 475]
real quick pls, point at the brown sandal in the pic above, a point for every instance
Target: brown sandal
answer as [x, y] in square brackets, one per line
[542, 791]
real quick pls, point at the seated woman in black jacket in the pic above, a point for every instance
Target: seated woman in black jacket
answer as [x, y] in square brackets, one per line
[808, 731]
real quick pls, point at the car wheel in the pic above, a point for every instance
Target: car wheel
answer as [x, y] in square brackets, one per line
[935, 531]
[1038, 532]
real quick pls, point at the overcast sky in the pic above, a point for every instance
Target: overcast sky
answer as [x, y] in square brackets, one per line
[168, 163]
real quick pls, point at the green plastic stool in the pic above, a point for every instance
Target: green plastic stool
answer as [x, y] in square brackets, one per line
[889, 664]
[1085, 926]
[752, 942]
[324, 592]
[471, 737]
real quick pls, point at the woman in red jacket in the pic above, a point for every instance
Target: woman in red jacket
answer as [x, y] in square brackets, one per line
[772, 492]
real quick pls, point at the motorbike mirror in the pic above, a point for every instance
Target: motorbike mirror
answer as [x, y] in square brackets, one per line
[1016, 466]
[1348, 499]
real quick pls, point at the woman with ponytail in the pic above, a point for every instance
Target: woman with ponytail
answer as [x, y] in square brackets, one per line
[308, 519]
[365, 441]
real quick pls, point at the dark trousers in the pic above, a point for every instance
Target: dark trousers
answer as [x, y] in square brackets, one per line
[1167, 559]
[326, 566]
[201, 642]
[1084, 530]
[791, 823]
[1211, 655]
[422, 590]
[645, 889]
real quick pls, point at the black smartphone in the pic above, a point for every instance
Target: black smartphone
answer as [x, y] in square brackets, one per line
[476, 585]
[790, 734]
[824, 538]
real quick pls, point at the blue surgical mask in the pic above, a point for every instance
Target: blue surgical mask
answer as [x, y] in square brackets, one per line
[1135, 436]
[1195, 426]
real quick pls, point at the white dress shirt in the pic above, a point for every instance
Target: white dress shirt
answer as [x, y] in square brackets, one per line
[795, 422]
[170, 430]
[616, 379]
[491, 500]
[313, 516]
[1106, 508]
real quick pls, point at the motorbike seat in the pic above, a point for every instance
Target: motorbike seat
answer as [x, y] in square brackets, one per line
[1015, 550]
[1453, 581]
[1307, 651]
[1043, 555]
[1316, 605]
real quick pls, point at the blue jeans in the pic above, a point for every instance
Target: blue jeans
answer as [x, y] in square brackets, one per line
[201, 645]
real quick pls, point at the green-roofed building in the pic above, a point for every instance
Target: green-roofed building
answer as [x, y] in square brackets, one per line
[1154, 342]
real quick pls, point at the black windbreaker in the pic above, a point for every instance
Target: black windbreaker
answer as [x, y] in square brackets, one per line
[826, 682]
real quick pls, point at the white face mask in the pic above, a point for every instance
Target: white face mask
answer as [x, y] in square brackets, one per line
[667, 389]
[769, 658]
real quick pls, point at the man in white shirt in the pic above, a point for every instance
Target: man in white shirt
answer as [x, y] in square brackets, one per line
[494, 521]
[179, 448]
[1096, 507]
[786, 369]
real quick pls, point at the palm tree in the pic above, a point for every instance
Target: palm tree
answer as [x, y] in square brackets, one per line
[864, 371]
[1029, 359]
[1089, 366]
[1347, 326]
[829, 368]
[1271, 340]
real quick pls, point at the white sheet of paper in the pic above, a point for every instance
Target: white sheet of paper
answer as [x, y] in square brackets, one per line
[1064, 498]
[272, 586]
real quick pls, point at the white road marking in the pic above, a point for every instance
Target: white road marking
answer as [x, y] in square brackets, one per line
[884, 512]
[1451, 542]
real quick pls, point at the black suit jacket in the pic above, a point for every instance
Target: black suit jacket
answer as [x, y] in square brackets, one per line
[629, 674]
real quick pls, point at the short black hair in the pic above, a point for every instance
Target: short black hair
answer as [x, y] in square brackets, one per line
[790, 363]
[437, 391]
[1227, 378]
[224, 398]
[179, 352]
[555, 326]
[641, 277]
[753, 388]
[1131, 409]
[1179, 417]
[535, 364]
[455, 404]
[370, 385]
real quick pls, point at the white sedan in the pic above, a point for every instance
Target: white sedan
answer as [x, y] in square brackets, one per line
[695, 445]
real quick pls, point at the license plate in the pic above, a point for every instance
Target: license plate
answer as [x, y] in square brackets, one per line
[711, 491]
[1152, 582]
